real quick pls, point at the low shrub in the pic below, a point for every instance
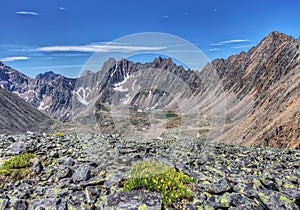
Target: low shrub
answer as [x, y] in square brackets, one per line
[155, 176]
[16, 165]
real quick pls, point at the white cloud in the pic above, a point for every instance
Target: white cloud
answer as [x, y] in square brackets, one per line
[57, 67]
[16, 58]
[232, 41]
[214, 49]
[165, 16]
[235, 41]
[243, 46]
[62, 8]
[216, 44]
[27, 13]
[97, 48]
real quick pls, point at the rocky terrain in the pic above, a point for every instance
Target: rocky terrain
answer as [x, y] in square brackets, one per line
[84, 171]
[19, 116]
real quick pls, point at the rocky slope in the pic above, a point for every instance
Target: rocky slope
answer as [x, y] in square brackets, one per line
[18, 116]
[88, 172]
[268, 79]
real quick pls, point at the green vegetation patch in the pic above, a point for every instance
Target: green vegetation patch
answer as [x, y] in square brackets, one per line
[57, 134]
[155, 176]
[16, 166]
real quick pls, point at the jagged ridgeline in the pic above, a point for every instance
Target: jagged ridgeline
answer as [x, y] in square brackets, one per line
[253, 101]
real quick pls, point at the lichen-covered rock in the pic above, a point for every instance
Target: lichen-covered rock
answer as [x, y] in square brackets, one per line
[136, 199]
[49, 204]
[81, 174]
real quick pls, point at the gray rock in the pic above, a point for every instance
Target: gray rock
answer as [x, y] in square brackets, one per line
[82, 174]
[49, 204]
[37, 166]
[18, 148]
[3, 203]
[64, 173]
[18, 204]
[135, 199]
[221, 186]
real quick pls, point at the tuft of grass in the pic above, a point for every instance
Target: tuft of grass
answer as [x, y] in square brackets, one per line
[57, 134]
[16, 165]
[155, 176]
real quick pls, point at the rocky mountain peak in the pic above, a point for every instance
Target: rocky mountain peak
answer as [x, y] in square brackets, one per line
[109, 64]
[87, 73]
[49, 75]
[276, 38]
[160, 62]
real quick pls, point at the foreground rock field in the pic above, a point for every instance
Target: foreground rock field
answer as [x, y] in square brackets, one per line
[88, 171]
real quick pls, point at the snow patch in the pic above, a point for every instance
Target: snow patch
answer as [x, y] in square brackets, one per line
[118, 86]
[42, 106]
[81, 94]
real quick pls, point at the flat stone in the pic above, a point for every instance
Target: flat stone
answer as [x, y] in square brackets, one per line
[81, 174]
[135, 199]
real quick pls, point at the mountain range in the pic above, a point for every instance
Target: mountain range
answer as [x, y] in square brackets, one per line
[247, 99]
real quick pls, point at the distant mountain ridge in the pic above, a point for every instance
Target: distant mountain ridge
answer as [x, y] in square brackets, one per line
[50, 93]
[49, 75]
[260, 88]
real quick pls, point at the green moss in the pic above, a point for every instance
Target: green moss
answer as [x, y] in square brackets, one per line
[143, 207]
[257, 183]
[108, 175]
[264, 198]
[224, 202]
[71, 207]
[56, 191]
[288, 186]
[285, 199]
[155, 176]
[206, 207]
[59, 134]
[206, 183]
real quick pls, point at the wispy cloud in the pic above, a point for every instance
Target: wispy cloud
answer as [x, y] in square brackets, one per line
[62, 8]
[243, 46]
[233, 41]
[15, 58]
[215, 49]
[165, 16]
[27, 13]
[56, 67]
[97, 48]
[216, 44]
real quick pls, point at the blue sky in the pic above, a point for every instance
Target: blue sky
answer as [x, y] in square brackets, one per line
[60, 35]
